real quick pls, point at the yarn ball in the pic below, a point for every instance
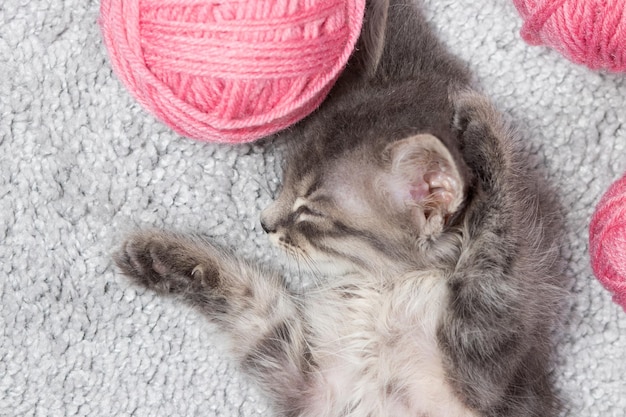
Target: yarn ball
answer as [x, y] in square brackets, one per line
[607, 241]
[588, 32]
[230, 71]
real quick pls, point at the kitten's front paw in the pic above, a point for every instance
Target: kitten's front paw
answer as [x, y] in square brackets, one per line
[166, 263]
[483, 137]
[473, 109]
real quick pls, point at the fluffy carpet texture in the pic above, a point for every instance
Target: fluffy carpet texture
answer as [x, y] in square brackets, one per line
[81, 164]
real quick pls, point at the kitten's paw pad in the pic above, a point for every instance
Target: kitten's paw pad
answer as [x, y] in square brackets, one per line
[141, 259]
[164, 263]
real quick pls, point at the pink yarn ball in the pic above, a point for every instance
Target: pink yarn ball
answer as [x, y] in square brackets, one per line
[607, 241]
[588, 32]
[230, 71]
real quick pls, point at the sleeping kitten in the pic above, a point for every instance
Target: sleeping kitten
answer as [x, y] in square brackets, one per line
[440, 249]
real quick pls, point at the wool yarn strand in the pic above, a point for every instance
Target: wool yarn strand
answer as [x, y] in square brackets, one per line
[588, 32]
[230, 71]
[607, 241]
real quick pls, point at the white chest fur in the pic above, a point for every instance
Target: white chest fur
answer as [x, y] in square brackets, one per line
[377, 351]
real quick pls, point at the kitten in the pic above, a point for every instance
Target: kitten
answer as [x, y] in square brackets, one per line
[440, 249]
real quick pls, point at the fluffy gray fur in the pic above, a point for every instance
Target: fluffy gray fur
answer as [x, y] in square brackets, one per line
[440, 250]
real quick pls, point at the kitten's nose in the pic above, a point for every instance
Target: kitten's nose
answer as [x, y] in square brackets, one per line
[266, 228]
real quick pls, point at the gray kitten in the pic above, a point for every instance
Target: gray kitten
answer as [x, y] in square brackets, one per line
[440, 248]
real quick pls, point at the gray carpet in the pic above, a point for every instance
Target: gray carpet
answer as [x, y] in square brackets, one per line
[81, 164]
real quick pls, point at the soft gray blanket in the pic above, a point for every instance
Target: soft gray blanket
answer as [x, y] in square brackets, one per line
[81, 164]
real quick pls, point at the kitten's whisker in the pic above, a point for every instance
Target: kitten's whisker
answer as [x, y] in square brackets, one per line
[311, 265]
[264, 187]
[315, 271]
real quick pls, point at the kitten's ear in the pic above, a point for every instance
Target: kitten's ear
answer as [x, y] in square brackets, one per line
[372, 40]
[423, 178]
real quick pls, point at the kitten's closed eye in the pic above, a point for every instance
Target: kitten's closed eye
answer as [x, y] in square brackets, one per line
[300, 202]
[301, 211]
[304, 213]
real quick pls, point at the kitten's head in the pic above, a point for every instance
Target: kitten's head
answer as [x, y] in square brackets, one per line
[374, 173]
[365, 205]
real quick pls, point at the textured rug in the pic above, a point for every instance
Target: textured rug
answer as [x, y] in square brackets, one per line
[81, 164]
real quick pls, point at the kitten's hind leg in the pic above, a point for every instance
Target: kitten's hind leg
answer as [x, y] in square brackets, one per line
[252, 306]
